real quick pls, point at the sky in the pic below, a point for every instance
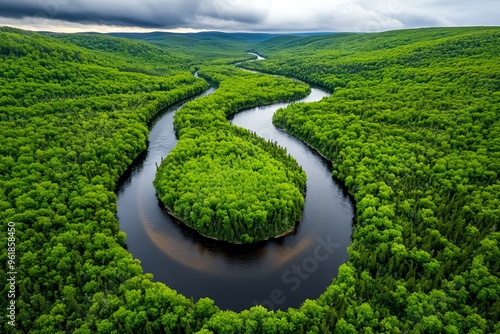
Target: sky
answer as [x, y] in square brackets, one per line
[240, 15]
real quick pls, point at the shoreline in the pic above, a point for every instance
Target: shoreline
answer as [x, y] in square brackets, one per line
[302, 141]
[179, 221]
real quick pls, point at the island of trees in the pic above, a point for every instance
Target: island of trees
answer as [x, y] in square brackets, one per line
[412, 127]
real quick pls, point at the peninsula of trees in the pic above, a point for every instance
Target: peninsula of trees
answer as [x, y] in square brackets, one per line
[224, 181]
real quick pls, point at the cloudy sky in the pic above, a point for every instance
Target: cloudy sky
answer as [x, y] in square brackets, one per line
[241, 15]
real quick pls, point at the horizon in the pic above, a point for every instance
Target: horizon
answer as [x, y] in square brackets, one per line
[311, 33]
[278, 16]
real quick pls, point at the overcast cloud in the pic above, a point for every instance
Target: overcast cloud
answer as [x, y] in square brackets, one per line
[240, 15]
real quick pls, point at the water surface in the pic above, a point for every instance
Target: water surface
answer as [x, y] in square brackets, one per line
[278, 274]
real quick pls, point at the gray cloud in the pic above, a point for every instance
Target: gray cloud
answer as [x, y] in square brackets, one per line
[147, 14]
[257, 15]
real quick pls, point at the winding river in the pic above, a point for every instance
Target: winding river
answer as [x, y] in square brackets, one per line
[277, 274]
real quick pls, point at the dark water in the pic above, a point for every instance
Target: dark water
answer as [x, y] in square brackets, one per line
[277, 274]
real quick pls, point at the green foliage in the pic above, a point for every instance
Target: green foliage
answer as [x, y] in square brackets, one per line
[70, 125]
[207, 47]
[139, 56]
[224, 181]
[413, 127]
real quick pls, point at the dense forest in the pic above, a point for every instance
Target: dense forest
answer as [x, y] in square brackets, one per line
[412, 128]
[210, 47]
[224, 181]
[71, 122]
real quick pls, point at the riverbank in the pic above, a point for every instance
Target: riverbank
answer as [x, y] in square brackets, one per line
[200, 267]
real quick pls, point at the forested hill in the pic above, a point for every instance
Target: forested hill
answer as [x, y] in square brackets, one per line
[324, 59]
[71, 122]
[135, 52]
[349, 43]
[235, 39]
[205, 46]
[413, 128]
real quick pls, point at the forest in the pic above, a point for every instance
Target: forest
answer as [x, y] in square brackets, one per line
[412, 128]
[224, 181]
[413, 131]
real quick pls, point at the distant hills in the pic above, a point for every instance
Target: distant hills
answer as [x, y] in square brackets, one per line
[207, 45]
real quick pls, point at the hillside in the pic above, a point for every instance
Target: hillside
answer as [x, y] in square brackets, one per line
[205, 46]
[412, 127]
[71, 122]
[134, 52]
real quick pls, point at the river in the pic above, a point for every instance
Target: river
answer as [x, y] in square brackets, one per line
[277, 274]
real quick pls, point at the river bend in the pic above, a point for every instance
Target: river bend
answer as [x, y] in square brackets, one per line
[279, 273]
